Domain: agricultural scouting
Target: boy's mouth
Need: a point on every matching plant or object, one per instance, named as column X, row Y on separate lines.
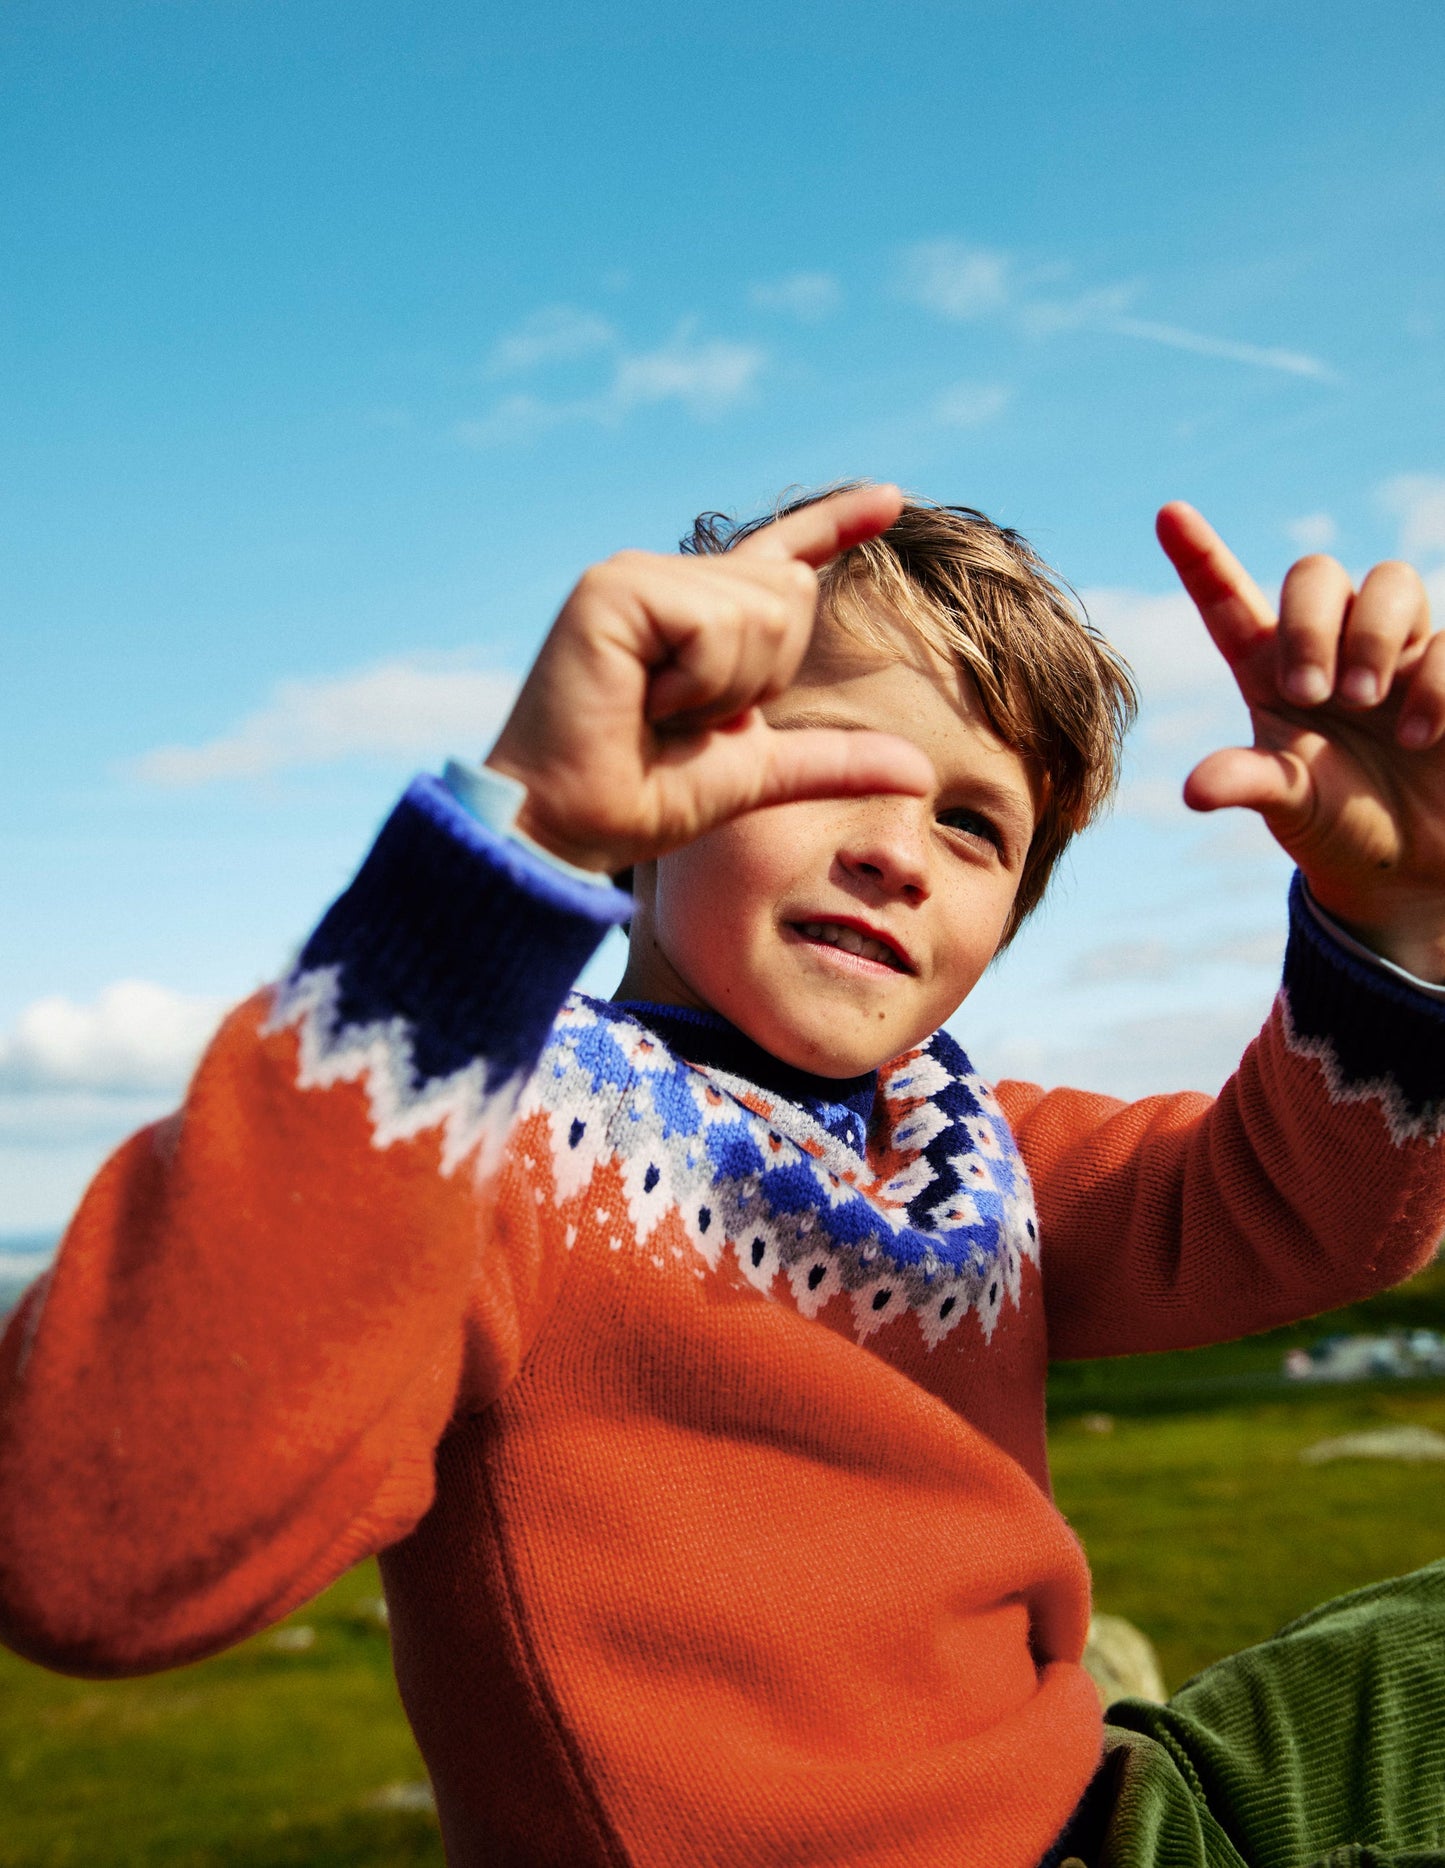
column 853, row 940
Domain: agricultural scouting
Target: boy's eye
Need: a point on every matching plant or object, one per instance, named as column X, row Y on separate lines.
column 973, row 824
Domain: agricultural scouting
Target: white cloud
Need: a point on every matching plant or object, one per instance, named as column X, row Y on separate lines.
column 706, row 377
column 1417, row 500
column 555, row 334
column 1163, row 640
column 1134, row 1056
column 969, row 405
column 1312, row 531
column 960, row 282
column 956, row 280
column 415, row 708
column 521, row 417
column 807, row 296
column 135, row 1038
column 1047, row 318
column 1189, row 703
column 1291, row 362
column 1127, row 959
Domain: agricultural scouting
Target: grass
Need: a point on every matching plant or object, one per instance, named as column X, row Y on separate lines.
column 1207, row 1531
column 263, row 1756
column 1201, row 1523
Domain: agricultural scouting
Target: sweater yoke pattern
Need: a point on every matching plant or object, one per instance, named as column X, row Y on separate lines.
column 933, row 1216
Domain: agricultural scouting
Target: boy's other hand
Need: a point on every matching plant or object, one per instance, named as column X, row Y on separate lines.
column 1346, row 693
column 639, row 727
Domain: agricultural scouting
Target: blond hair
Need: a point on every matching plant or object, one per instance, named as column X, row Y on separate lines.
column 979, row 595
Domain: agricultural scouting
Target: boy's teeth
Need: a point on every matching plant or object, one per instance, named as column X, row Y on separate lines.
column 831, row 934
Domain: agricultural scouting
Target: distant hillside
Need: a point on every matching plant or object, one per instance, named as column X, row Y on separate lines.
column 1252, row 1366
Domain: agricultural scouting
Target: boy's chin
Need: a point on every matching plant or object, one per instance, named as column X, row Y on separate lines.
column 826, row 1051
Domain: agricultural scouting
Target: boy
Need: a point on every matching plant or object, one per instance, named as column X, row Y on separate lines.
column 684, row 1357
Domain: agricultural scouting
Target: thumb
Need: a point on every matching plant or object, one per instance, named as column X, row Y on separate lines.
column 1272, row 783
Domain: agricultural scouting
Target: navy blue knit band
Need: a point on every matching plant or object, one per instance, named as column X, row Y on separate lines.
column 1370, row 1030
column 462, row 934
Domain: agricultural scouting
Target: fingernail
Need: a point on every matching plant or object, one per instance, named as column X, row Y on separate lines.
column 1360, row 686
column 1414, row 733
column 1308, row 686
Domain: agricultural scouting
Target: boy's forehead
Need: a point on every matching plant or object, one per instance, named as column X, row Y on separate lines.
column 842, row 660
column 896, row 682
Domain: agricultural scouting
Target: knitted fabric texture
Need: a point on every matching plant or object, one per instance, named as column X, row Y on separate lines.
column 695, row 1405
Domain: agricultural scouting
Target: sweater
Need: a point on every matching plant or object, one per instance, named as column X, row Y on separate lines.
column 694, row 1404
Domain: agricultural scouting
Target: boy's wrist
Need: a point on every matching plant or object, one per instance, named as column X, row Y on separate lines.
column 1410, row 943
column 499, row 799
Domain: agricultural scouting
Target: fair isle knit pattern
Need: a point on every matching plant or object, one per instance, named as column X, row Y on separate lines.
column 935, row 1220
column 694, row 1405
column 932, row 1217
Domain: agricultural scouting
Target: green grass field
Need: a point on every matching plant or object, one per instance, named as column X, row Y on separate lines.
column 1202, row 1524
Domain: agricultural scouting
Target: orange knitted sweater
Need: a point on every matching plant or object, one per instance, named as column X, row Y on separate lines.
column 695, row 1405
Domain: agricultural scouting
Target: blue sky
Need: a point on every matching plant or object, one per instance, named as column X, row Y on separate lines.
column 338, row 338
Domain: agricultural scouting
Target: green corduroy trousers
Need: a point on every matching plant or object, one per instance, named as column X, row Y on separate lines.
column 1322, row 1748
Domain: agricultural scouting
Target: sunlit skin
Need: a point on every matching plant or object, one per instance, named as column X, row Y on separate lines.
column 785, row 794
column 743, row 920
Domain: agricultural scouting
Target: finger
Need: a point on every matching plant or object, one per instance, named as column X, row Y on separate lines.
column 1422, row 716
column 819, row 533
column 1389, row 620
column 754, row 765
column 1314, row 606
column 821, row 762
column 1235, row 610
column 732, row 643
column 1274, row 784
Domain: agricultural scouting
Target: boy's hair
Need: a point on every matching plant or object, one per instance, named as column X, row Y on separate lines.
column 978, row 594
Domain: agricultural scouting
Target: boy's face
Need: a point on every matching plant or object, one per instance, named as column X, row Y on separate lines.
column 838, row 932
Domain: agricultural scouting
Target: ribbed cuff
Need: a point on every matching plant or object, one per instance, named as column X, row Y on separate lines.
column 1381, row 1033
column 462, row 933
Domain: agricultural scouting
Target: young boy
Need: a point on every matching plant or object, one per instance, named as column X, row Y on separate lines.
column 684, row 1357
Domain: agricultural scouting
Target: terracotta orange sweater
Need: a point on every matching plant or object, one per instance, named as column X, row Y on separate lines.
column 695, row 1405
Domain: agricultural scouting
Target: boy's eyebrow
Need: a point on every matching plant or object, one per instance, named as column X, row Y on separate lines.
column 819, row 716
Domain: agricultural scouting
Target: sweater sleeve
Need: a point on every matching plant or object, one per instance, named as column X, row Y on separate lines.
column 232, row 1382
column 1316, row 1177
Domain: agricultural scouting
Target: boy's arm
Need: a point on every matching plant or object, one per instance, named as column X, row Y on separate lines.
column 232, row 1382
column 267, row 1308
column 1316, row 1177
column 1318, row 1174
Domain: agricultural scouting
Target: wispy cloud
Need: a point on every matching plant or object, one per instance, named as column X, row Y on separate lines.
column 1417, row 501
column 704, row 376
column 555, row 334
column 956, row 280
column 807, row 296
column 135, row 1038
column 1175, row 337
column 1162, row 638
column 417, row 708
column 1312, row 531
column 961, row 282
column 970, row 405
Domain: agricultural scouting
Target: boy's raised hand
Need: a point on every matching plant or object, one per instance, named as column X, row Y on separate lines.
column 639, row 727
column 1346, row 692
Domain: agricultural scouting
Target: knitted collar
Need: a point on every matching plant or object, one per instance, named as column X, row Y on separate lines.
column 843, row 1105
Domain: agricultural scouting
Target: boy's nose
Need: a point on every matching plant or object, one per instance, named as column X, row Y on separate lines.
column 887, row 847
